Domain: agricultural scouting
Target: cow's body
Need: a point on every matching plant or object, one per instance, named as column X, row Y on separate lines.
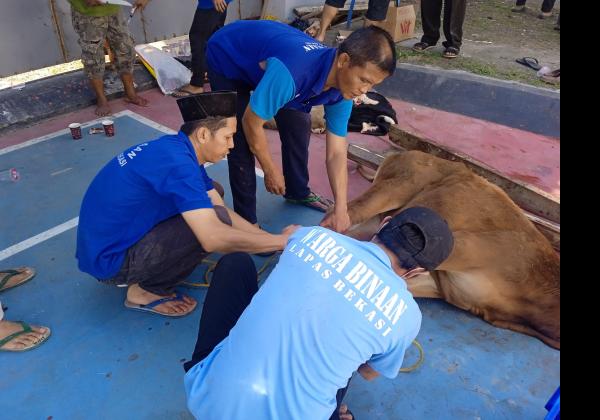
column 501, row 269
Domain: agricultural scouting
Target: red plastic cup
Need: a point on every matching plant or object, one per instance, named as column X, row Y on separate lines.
column 109, row 128
column 75, row 131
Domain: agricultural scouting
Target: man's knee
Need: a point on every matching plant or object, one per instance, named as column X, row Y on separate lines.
column 237, row 260
column 240, row 267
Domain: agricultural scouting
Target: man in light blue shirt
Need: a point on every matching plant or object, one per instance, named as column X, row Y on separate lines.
column 332, row 305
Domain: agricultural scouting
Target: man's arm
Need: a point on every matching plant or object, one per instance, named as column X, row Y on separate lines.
column 337, row 170
column 238, row 221
column 215, row 236
column 367, row 372
column 257, row 140
column 275, row 89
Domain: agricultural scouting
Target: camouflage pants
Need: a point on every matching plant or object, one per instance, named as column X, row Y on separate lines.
column 92, row 32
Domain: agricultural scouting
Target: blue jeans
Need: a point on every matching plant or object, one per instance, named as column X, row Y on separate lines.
column 294, row 132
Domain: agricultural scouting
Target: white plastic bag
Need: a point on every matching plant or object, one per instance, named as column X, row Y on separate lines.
column 168, row 72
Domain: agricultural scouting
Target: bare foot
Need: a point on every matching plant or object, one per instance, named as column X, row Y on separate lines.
column 102, row 109
column 136, row 100
column 24, row 341
column 138, row 296
column 24, row 273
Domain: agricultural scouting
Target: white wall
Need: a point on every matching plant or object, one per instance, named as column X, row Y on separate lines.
column 283, row 9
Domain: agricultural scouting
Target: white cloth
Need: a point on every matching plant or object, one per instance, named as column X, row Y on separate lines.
column 1, row 312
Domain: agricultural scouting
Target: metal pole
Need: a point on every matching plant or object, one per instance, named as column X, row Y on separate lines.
column 58, row 30
column 349, row 22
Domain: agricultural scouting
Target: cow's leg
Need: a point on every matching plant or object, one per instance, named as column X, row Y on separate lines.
column 399, row 179
column 376, row 200
column 366, row 230
column 524, row 329
column 423, row 286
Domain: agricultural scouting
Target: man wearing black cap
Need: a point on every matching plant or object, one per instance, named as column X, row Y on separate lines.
column 288, row 73
column 331, row 305
column 152, row 213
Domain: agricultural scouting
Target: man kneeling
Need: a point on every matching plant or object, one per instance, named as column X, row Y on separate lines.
column 331, row 305
column 152, row 213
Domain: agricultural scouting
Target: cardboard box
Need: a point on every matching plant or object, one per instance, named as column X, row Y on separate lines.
column 399, row 22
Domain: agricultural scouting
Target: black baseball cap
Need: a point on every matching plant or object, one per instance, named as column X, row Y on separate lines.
column 210, row 104
column 419, row 237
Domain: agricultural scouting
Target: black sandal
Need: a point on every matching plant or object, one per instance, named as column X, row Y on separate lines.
column 451, row 52
column 422, row 46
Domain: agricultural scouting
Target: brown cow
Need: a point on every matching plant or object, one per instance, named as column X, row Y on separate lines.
column 501, row 269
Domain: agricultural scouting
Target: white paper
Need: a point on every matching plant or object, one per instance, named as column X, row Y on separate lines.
column 119, row 2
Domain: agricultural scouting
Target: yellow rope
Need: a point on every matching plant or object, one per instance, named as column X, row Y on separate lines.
column 211, row 267
column 419, row 362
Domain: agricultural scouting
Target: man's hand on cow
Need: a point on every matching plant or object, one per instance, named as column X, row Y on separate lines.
column 274, row 182
column 220, row 5
column 337, row 220
column 94, row 3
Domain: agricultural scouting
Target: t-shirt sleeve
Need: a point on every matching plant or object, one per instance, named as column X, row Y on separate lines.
column 337, row 117
column 276, row 88
column 389, row 363
column 187, row 186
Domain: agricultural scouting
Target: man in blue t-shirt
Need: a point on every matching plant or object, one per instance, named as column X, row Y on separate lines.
column 152, row 213
column 288, row 73
column 332, row 305
column 209, row 17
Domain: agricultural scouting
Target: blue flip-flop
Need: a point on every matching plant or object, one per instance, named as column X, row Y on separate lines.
column 149, row 307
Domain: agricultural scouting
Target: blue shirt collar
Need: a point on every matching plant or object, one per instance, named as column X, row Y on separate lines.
column 329, row 60
column 186, row 140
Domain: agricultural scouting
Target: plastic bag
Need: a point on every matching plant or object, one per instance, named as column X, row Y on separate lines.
column 168, row 72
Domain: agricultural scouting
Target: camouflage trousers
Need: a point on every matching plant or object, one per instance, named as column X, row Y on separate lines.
column 92, row 32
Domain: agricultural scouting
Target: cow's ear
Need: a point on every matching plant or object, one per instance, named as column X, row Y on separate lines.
column 419, row 271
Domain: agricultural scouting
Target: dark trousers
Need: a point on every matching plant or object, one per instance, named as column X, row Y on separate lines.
column 206, row 22
column 454, row 17
column 547, row 5
column 294, row 132
column 233, row 285
column 164, row 257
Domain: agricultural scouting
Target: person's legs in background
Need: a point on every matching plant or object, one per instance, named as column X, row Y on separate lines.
column 377, row 11
column 454, row 18
column 330, row 10
column 122, row 44
column 547, row 7
column 92, row 34
column 431, row 11
column 206, row 22
column 519, row 6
